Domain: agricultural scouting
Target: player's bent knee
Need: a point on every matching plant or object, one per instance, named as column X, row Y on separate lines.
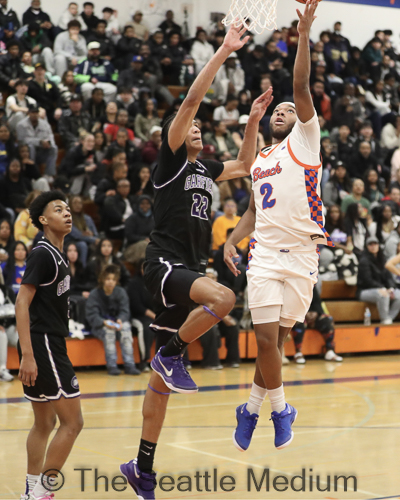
column 223, row 302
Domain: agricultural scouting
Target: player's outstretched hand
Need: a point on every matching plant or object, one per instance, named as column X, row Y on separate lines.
column 260, row 105
column 231, row 258
column 307, row 18
column 233, row 39
column 28, row 371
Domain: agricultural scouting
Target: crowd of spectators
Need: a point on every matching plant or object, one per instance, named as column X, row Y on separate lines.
column 84, row 98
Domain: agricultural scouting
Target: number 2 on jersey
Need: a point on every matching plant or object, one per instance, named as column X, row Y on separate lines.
column 266, row 190
column 199, row 207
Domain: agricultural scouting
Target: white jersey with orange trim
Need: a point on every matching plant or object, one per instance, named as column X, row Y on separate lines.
column 286, row 183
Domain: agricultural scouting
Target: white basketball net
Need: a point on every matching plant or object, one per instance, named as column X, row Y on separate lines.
column 256, row 15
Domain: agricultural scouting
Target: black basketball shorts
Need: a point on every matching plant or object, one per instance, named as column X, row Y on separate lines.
column 170, row 285
column 56, row 376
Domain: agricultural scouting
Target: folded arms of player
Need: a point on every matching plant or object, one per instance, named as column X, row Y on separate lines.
column 188, row 110
column 302, row 66
column 241, row 166
column 244, row 228
column 28, row 370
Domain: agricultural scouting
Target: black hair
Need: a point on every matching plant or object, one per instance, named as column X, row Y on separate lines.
column 97, row 89
column 39, row 205
column 231, row 97
column 12, row 43
column 9, row 269
column 101, row 21
column 108, row 9
column 74, row 23
column 78, row 264
column 110, row 269
column 329, row 222
column 88, row 3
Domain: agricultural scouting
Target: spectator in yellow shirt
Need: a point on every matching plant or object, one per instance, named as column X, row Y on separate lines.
column 225, row 222
column 24, row 230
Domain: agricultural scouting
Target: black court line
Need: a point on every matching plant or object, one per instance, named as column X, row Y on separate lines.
column 229, row 387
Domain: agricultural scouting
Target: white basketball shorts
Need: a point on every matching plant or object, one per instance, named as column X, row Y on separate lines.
column 282, row 277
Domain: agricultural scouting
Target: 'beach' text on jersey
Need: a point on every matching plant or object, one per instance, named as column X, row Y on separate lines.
column 262, row 174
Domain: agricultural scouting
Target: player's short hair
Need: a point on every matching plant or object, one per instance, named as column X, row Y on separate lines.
column 39, row 204
column 110, row 269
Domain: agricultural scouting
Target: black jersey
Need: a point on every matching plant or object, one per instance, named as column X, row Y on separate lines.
column 182, row 208
column 48, row 269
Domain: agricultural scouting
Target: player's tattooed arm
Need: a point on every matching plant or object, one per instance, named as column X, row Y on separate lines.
column 242, row 165
column 28, row 369
column 184, row 118
column 302, row 66
column 244, row 228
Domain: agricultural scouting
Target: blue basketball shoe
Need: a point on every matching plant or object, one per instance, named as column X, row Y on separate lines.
column 143, row 483
column 172, row 370
column 246, row 424
column 283, row 426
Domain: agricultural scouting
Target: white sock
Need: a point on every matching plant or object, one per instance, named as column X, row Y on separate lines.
column 39, row 490
column 256, row 399
column 31, row 480
column 277, row 399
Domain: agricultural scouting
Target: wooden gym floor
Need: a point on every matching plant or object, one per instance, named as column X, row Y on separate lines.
column 348, row 425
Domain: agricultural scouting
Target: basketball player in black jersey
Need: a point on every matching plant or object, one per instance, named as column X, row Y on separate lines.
column 49, row 381
column 189, row 303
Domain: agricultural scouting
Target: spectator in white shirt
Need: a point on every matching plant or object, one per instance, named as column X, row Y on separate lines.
column 71, row 14
column 228, row 113
column 202, row 51
column 17, row 105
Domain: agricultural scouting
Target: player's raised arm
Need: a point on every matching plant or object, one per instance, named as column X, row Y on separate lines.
column 241, row 166
column 188, row 110
column 302, row 65
column 245, row 226
column 28, row 369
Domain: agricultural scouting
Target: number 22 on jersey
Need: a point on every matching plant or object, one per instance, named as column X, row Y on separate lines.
column 199, row 207
column 266, row 190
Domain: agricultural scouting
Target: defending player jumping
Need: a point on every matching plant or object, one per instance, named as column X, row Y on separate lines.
column 177, row 255
column 286, row 213
column 49, row 381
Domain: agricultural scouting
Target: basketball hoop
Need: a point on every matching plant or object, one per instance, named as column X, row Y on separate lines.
column 256, row 15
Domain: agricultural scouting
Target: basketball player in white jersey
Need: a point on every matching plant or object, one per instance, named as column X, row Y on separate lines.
column 285, row 211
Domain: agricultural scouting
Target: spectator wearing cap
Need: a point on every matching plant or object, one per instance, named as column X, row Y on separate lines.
column 228, row 113
column 133, row 77
column 8, row 16
column 146, row 119
column 96, row 72
column 10, row 68
column 34, row 14
column 152, row 147
column 73, row 122
column 35, row 41
column 69, row 48
column 112, row 28
column 201, row 51
column 71, row 14
column 37, row 134
column 89, row 17
column 107, row 50
column 45, row 93
column 230, row 77
column 375, row 283
column 127, row 47
column 141, row 29
column 17, row 105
